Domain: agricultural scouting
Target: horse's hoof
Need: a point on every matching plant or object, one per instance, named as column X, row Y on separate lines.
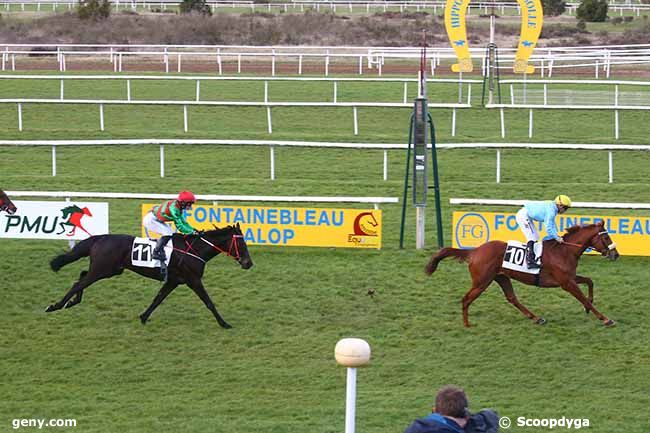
column 225, row 325
column 609, row 322
column 540, row 321
column 50, row 308
column 143, row 319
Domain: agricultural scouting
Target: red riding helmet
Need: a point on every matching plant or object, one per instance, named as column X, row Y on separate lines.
column 186, row 197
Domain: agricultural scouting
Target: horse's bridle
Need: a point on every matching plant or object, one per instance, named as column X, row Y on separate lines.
column 591, row 243
column 233, row 246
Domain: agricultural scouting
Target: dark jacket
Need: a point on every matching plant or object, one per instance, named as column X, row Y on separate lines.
column 434, row 423
column 485, row 421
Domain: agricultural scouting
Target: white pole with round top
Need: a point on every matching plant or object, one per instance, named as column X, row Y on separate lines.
column 351, row 353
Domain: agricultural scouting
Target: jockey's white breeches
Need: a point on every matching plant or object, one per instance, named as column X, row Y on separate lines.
column 526, row 225
column 151, row 224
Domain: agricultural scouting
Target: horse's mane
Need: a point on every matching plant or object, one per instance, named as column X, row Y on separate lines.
column 575, row 229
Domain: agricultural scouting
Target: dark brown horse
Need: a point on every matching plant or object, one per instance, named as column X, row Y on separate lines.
column 111, row 254
column 6, row 205
column 559, row 263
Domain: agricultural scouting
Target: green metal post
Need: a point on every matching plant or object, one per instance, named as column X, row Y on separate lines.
column 436, row 183
column 406, row 182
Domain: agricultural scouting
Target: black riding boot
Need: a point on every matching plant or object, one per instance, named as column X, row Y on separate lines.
column 530, row 255
column 159, row 254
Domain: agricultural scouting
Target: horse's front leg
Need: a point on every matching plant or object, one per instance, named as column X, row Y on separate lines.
column 196, row 285
column 164, row 291
column 571, row 287
column 590, row 284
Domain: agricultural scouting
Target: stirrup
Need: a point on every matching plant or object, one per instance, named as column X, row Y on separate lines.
column 532, row 264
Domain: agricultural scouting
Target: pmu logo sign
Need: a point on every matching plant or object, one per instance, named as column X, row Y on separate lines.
column 55, row 220
column 471, row 230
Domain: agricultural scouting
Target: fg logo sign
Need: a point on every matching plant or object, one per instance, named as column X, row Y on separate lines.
column 471, row 231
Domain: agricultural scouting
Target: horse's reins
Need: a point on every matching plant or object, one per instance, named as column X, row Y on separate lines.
column 233, row 245
column 609, row 247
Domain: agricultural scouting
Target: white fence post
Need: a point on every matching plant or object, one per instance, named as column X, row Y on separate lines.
column 335, row 91
column 128, row 90
column 101, row 117
column 268, row 120
column 530, row 123
column 405, row 92
column 61, row 90
column 385, row 164
column 355, row 121
column 498, row 165
column 198, row 90
column 185, row 118
column 20, row 116
column 162, row 160
column 53, row 161
column 611, row 167
column 273, row 64
column 453, row 122
column 503, row 124
column 616, row 124
column 272, row 162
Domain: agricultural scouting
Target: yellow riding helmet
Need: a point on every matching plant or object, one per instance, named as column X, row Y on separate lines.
column 563, row 200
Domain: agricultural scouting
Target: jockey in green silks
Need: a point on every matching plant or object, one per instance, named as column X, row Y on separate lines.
column 171, row 210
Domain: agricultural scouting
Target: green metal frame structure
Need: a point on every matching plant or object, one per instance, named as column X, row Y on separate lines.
column 436, row 181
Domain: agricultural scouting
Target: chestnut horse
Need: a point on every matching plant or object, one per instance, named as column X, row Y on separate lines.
column 6, row 204
column 559, row 263
column 111, row 254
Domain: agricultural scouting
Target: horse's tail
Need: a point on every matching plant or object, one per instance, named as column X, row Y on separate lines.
column 82, row 249
column 458, row 254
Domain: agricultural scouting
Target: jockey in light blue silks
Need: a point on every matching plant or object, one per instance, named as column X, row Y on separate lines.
column 542, row 211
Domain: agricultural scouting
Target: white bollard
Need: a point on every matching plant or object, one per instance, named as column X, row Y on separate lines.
column 351, row 353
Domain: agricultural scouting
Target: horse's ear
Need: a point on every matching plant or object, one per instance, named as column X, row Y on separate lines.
column 237, row 226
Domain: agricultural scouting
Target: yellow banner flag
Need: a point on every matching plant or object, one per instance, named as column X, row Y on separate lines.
column 532, row 18
column 457, row 33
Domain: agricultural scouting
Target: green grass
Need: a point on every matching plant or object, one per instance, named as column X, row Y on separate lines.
column 275, row 370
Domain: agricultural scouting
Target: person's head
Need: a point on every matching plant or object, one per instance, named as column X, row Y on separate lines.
column 186, row 199
column 563, row 203
column 452, row 401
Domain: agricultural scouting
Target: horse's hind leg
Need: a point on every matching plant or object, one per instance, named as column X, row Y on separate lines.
column 77, row 298
column 590, row 284
column 481, row 279
column 78, row 287
column 95, row 273
column 165, row 290
column 509, row 292
column 196, row 285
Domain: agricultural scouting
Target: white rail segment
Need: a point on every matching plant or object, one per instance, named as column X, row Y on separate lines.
column 580, row 204
column 546, row 60
column 205, row 197
column 374, row 146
